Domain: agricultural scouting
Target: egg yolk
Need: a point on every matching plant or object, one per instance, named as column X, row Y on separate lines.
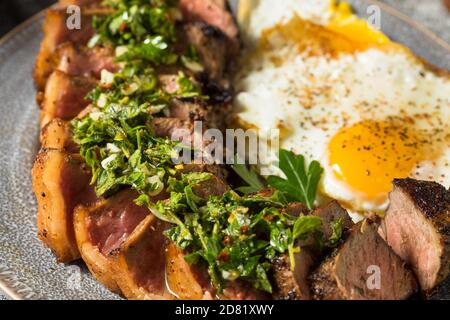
column 345, row 23
column 369, row 155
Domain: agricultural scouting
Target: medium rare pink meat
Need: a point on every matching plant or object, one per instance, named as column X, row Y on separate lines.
column 140, row 263
column 84, row 62
column 64, row 97
column 111, row 224
column 61, row 181
column 103, row 227
column 76, row 189
column 417, row 227
column 57, row 33
column 363, row 268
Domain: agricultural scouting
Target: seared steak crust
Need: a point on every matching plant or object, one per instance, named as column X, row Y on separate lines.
column 432, row 198
column 417, row 227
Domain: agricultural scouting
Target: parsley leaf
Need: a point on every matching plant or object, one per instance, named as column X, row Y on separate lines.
column 305, row 226
column 300, row 184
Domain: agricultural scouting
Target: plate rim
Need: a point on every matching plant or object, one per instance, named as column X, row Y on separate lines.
column 19, row 28
column 5, row 287
column 11, row 292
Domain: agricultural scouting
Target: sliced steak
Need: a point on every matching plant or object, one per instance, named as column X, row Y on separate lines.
column 188, row 110
column 188, row 133
column 212, row 187
column 167, row 127
column 185, row 281
column 64, row 97
column 102, row 227
column 56, row 33
column 363, row 268
column 417, row 227
column 293, row 284
column 211, row 46
column 57, row 134
column 296, row 209
column 214, row 12
column 195, row 110
column 140, row 263
column 110, row 222
column 61, row 181
column 82, row 61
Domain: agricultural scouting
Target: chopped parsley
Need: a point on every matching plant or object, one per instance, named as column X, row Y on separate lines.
column 235, row 236
column 116, row 138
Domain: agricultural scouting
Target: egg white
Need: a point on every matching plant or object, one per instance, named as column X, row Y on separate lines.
column 313, row 97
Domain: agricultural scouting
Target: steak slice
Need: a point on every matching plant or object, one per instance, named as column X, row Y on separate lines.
column 214, row 12
column 175, row 129
column 64, row 97
column 102, row 227
column 363, row 268
column 82, row 61
column 293, row 284
column 56, row 33
column 211, row 46
column 61, row 182
column 185, row 281
column 57, row 134
column 417, row 227
column 140, row 263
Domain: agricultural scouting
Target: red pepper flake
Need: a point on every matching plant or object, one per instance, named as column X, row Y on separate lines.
column 123, row 27
column 226, row 240
column 244, row 229
column 223, row 256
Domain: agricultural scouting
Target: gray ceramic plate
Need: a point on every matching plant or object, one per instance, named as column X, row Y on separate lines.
column 27, row 269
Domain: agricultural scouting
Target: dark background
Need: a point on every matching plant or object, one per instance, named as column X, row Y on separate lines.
column 13, row 12
column 431, row 13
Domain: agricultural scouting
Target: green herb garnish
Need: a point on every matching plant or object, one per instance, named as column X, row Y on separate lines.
column 233, row 236
column 300, row 183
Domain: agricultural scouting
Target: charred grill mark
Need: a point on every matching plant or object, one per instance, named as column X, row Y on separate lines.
column 431, row 197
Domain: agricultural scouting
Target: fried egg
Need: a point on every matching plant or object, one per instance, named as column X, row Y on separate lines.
column 345, row 95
